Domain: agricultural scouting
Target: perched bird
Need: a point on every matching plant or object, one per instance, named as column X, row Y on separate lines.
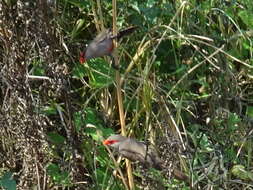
column 139, row 151
column 102, row 45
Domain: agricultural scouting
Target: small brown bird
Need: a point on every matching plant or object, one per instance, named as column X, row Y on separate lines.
column 102, row 45
column 138, row 151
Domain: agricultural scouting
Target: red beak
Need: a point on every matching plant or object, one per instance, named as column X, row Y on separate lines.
column 109, row 142
column 82, row 58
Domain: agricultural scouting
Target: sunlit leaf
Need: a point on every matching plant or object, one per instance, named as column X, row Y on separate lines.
column 240, row 172
column 7, row 182
column 247, row 17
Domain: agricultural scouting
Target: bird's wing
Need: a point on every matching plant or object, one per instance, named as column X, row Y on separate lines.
column 139, row 151
column 132, row 149
column 105, row 34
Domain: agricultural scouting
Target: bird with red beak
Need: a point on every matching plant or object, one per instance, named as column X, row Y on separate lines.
column 103, row 45
column 139, row 151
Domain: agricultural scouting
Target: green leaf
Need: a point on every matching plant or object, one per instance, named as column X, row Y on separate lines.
column 250, row 111
column 240, row 172
column 233, row 121
column 97, row 131
column 79, row 71
column 205, row 144
column 38, row 68
column 55, row 138
column 101, row 73
column 79, row 121
column 91, row 117
column 49, row 110
column 77, row 28
column 103, row 157
column 7, row 182
column 247, row 17
column 94, row 126
column 58, row 176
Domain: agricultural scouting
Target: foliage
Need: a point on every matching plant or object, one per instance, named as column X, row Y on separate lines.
column 7, row 182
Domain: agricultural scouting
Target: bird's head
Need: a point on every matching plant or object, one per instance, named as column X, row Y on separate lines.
column 114, row 141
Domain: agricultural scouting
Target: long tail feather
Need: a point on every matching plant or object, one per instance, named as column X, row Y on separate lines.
column 124, row 32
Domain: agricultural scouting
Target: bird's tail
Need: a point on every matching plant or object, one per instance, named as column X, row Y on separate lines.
column 124, row 32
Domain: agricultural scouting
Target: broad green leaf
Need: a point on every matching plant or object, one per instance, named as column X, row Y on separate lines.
column 7, row 182
column 56, row 138
column 247, row 18
column 101, row 73
column 79, row 71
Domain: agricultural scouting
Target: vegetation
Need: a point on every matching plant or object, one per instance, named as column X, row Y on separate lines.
column 186, row 83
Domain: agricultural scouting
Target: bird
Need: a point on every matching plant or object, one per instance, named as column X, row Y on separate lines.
column 103, row 45
column 135, row 150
